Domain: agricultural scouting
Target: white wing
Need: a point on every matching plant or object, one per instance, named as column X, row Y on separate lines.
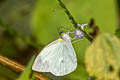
column 42, row 61
column 58, row 58
column 65, row 62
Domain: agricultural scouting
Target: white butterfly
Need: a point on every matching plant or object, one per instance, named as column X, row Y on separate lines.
column 58, row 57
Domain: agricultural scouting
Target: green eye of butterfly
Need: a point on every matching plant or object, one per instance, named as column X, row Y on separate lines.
column 61, row 34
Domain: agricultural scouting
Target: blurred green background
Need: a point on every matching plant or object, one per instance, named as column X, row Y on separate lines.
column 26, row 26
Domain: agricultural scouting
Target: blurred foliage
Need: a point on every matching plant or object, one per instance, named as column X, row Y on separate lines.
column 40, row 21
column 27, row 72
column 14, row 16
column 118, row 5
column 17, row 14
column 10, row 74
column 117, row 32
column 102, row 58
column 14, row 20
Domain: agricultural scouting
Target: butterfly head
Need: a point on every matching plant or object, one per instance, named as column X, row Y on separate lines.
column 64, row 36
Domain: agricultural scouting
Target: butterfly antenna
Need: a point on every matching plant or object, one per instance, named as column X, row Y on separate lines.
column 58, row 29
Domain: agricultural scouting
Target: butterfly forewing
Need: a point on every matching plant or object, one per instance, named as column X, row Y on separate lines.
column 43, row 60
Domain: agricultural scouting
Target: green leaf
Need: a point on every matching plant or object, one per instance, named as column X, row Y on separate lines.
column 33, row 77
column 27, row 72
column 48, row 15
column 46, row 20
column 79, row 74
column 117, row 32
column 102, row 11
column 102, row 57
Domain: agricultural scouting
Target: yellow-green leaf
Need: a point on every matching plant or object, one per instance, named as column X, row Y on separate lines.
column 102, row 58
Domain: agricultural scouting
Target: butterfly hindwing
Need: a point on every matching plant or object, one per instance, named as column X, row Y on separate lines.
column 59, row 58
column 65, row 62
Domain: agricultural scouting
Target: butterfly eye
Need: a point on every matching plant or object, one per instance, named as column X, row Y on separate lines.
column 61, row 34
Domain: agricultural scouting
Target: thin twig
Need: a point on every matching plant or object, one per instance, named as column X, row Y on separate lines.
column 18, row 67
column 73, row 20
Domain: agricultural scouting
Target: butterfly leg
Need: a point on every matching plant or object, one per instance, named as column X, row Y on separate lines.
column 76, row 40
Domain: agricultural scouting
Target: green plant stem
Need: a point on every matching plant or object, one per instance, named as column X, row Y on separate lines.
column 68, row 13
column 87, row 36
column 73, row 20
